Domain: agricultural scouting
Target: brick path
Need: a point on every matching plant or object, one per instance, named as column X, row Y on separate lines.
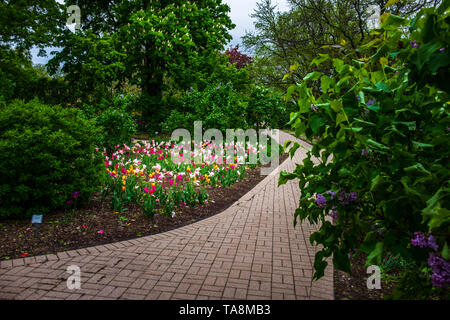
column 249, row 251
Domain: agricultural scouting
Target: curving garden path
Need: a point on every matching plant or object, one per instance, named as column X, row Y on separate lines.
column 249, row 251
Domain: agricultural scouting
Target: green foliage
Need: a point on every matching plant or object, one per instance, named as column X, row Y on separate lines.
column 266, row 109
column 222, row 107
column 309, row 28
column 115, row 120
column 383, row 128
column 218, row 106
column 46, row 154
column 150, row 44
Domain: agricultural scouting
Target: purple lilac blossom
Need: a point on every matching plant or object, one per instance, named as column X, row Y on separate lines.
column 419, row 240
column 345, row 198
column 321, row 201
column 334, row 213
column 440, row 269
column 414, row 44
column 432, row 243
column 370, row 102
column 331, row 193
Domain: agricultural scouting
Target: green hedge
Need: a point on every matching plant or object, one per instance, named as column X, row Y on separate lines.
column 46, row 154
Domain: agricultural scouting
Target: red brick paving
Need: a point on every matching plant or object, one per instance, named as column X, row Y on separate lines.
column 249, row 251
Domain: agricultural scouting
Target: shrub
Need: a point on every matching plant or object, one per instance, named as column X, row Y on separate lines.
column 218, row 106
column 383, row 131
column 265, row 109
column 46, row 154
column 115, row 119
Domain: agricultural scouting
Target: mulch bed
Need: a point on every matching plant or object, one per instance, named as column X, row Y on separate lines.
column 56, row 234
column 354, row 286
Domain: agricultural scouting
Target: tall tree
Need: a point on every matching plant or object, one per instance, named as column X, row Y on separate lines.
column 146, row 41
column 24, row 24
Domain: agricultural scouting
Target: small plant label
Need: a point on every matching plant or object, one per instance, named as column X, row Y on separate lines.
column 36, row 218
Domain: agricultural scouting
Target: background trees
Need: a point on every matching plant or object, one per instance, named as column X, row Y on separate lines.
column 149, row 44
column 311, row 27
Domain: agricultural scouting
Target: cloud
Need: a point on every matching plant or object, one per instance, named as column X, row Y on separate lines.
column 240, row 15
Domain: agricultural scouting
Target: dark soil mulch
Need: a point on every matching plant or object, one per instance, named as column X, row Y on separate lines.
column 354, row 286
column 56, row 234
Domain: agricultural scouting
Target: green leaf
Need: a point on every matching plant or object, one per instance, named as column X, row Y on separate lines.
column 290, row 90
column 421, row 145
column 287, row 143
column 336, row 105
column 294, row 117
column 445, row 253
column 377, row 144
column 382, row 86
column 318, row 61
column 340, row 118
column 293, row 149
column 338, row 64
column 376, row 254
column 418, row 167
column 341, row 261
column 405, row 181
column 313, row 76
column 316, row 122
column 392, row 22
column 376, row 182
column 285, row 177
column 325, row 84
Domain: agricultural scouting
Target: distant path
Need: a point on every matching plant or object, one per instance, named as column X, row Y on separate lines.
column 249, row 251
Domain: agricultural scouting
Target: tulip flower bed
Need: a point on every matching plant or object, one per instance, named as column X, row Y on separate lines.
column 148, row 175
column 144, row 192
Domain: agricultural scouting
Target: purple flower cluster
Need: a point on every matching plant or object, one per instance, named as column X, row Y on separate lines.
column 331, row 193
column 441, row 271
column 414, row 44
column 371, row 102
column 364, row 152
column 321, row 201
column 346, row 198
column 421, row 241
column 314, row 107
column 334, row 213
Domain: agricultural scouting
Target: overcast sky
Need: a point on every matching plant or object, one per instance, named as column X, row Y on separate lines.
column 240, row 15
